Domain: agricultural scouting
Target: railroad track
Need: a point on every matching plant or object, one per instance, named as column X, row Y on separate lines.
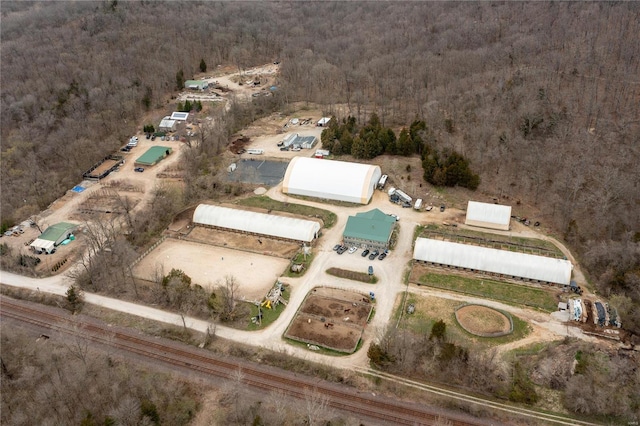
column 173, row 354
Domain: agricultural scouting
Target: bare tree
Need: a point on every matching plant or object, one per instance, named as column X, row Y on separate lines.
column 316, row 406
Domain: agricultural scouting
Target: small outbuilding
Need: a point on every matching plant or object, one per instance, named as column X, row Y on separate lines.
column 167, row 125
column 485, row 215
column 196, row 84
column 370, row 229
column 153, row 156
column 52, row 237
column 323, row 122
column 179, row 116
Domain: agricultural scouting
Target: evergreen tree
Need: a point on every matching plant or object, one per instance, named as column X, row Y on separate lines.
column 405, row 145
column 203, row 65
column 180, row 80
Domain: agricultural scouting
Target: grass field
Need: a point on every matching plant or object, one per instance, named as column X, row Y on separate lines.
column 328, row 218
column 489, row 289
column 431, row 309
column 353, row 275
column 268, row 315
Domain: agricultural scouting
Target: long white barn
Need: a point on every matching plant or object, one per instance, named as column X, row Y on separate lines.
column 332, row 180
column 256, row 223
column 487, row 215
column 503, row 262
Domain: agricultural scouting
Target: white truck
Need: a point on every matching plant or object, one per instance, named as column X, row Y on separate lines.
column 418, row 204
column 255, row 151
column 382, row 182
column 398, row 196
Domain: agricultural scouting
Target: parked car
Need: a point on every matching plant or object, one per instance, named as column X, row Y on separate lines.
column 342, row 249
column 382, row 256
column 370, row 270
column 139, row 169
column 353, row 249
column 428, row 208
column 374, row 254
column 365, row 253
column 336, row 247
column 395, row 217
column 442, row 207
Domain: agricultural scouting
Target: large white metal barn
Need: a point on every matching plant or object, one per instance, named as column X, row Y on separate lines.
column 244, row 221
column 503, row 262
column 332, row 180
column 487, row 215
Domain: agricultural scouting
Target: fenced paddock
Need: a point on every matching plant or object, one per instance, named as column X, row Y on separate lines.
column 207, row 265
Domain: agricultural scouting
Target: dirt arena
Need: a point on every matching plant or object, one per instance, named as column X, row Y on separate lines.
column 207, row 264
column 261, row 245
column 483, row 321
column 331, row 318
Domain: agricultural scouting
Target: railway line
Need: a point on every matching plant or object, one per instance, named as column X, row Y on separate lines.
column 173, row 354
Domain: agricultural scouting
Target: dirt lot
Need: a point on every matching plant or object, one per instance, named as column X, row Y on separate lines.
column 331, row 318
column 482, row 320
column 252, row 243
column 207, row 264
column 106, row 165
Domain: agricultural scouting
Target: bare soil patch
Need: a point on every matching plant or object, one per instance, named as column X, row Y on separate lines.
column 252, row 243
column 208, row 265
column 331, row 318
column 483, row 321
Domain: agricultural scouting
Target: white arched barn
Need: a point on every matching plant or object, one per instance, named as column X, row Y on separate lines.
column 331, row 180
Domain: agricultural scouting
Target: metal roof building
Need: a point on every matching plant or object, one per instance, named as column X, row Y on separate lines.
column 332, row 180
column 282, row 227
column 179, row 116
column 487, row 215
column 507, row 263
column 196, row 84
column 153, row 155
column 372, row 229
column 53, row 236
column 167, row 124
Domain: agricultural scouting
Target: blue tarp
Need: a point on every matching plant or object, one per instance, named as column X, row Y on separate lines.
column 78, row 188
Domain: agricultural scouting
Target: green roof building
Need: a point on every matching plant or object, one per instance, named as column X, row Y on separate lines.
column 196, row 84
column 370, row 229
column 153, row 156
column 52, row 237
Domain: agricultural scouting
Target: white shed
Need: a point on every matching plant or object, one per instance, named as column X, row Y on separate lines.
column 503, row 262
column 256, row 223
column 487, row 215
column 329, row 179
column 323, row 121
column 179, row 116
column 167, row 125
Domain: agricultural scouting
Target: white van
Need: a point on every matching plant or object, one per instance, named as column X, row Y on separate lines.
column 418, row 204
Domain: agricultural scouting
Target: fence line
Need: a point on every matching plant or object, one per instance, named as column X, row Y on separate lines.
column 149, row 250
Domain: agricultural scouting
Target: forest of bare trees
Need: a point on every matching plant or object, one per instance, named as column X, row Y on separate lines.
column 543, row 99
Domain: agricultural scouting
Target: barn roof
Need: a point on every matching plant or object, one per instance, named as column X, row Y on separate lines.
column 333, row 180
column 258, row 223
column 55, row 232
column 373, row 225
column 488, row 215
column 503, row 262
